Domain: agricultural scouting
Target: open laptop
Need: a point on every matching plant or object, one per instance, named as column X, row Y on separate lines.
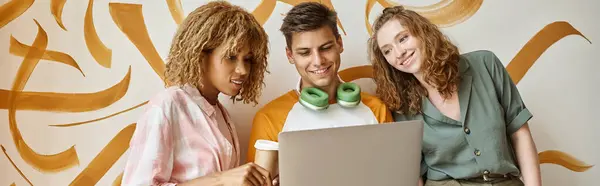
column 380, row 154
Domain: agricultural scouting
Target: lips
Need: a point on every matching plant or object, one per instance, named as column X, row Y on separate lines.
column 408, row 59
column 321, row 71
column 237, row 82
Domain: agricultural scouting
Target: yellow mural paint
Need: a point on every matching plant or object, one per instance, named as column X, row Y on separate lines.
column 176, row 10
column 13, row 9
column 19, row 49
column 563, row 159
column 117, row 181
column 44, row 163
column 101, row 53
column 130, row 20
column 445, row 13
column 107, row 157
column 536, row 46
column 66, row 102
column 56, row 8
column 15, row 166
column 263, row 11
column 99, row 119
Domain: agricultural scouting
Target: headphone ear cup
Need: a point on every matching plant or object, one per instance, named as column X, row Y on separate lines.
column 314, row 98
column 348, row 94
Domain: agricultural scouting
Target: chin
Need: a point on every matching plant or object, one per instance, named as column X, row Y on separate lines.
column 322, row 82
column 230, row 92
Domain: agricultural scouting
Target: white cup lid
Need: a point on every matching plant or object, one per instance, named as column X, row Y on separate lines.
column 266, row 145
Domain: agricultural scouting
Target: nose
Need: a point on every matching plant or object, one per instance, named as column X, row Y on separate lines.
column 318, row 58
column 241, row 68
column 399, row 51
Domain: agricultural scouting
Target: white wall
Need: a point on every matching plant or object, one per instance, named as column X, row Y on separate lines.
column 561, row 99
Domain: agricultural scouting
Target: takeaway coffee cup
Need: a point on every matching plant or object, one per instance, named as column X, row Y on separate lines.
column 267, row 155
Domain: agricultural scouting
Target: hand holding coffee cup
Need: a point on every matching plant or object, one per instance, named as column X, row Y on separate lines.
column 267, row 155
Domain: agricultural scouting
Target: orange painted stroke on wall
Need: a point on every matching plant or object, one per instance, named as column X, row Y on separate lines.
column 66, row 102
column 176, row 10
column 563, row 159
column 107, row 157
column 56, row 8
column 15, row 166
column 101, row 53
column 11, row 10
column 44, row 163
column 130, row 19
column 536, row 46
column 19, row 49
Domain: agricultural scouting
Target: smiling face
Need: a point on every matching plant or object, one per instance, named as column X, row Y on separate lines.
column 400, row 48
column 316, row 55
column 227, row 74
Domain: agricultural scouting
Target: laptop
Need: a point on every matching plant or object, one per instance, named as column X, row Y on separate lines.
column 381, row 154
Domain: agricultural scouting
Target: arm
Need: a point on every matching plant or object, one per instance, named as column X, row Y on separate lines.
column 262, row 128
column 516, row 116
column 248, row 174
column 387, row 116
column 150, row 159
column 527, row 156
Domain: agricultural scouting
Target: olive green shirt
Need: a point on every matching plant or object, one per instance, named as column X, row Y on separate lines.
column 491, row 110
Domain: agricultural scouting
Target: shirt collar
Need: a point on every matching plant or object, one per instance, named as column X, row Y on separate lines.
column 194, row 93
column 464, row 93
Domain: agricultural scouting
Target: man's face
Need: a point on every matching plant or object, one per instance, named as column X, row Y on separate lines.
column 316, row 55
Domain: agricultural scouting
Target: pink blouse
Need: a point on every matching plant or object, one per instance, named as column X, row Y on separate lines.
column 178, row 139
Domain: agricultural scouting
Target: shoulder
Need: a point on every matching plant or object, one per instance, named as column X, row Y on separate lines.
column 169, row 98
column 280, row 105
column 370, row 100
column 482, row 59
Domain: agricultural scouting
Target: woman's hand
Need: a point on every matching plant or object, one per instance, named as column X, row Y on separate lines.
column 249, row 174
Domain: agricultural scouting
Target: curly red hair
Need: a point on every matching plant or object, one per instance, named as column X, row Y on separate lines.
column 401, row 91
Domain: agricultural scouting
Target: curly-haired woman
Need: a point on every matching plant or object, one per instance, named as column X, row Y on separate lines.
column 185, row 136
column 476, row 130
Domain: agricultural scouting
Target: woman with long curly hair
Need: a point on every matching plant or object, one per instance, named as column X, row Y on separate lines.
column 476, row 129
column 185, row 136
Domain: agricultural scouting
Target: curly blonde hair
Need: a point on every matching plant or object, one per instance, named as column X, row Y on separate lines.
column 401, row 91
column 208, row 27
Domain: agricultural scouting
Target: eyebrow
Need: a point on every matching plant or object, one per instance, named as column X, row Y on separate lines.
column 395, row 37
column 327, row 43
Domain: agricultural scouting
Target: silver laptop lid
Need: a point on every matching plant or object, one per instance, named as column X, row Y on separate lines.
column 382, row 154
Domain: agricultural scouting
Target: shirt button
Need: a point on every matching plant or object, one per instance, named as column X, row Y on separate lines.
column 477, row 152
column 467, row 131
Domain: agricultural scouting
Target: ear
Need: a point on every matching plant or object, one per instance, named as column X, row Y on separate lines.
column 340, row 43
column 289, row 55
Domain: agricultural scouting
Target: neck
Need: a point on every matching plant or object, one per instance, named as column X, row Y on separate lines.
column 209, row 93
column 421, row 80
column 331, row 89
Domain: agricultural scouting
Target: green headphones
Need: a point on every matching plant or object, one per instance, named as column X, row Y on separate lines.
column 348, row 95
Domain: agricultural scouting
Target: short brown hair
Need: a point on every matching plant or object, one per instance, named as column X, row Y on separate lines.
column 308, row 16
column 208, row 27
column 400, row 91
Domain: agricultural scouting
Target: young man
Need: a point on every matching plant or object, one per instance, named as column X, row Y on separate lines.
column 314, row 46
